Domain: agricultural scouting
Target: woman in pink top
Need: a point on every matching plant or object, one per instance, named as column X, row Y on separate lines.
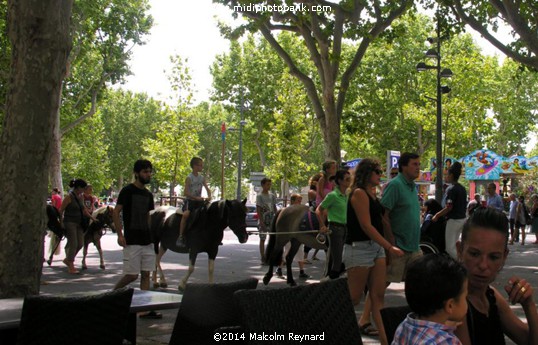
column 56, row 199
column 325, row 186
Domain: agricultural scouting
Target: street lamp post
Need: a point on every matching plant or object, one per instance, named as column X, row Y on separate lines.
column 240, row 158
column 240, row 155
column 441, row 73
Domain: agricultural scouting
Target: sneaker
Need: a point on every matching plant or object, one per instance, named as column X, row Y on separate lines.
column 180, row 242
column 304, row 275
column 325, row 279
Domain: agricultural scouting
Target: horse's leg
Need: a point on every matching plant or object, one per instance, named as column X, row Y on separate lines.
column 183, row 282
column 274, row 260
column 211, row 269
column 289, row 261
column 159, row 270
column 54, row 245
column 97, row 242
column 85, row 251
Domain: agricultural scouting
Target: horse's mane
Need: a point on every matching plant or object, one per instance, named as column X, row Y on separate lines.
column 101, row 209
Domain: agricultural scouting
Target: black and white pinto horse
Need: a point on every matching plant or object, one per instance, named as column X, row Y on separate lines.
column 292, row 224
column 96, row 230
column 205, row 230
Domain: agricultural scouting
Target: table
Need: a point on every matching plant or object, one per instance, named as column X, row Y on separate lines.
column 11, row 309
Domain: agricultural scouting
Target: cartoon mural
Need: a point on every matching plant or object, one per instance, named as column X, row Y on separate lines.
column 448, row 161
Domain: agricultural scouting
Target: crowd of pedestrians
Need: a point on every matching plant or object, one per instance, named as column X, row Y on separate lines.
column 376, row 238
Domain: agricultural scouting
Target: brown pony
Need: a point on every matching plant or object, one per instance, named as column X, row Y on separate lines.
column 96, row 230
column 292, row 223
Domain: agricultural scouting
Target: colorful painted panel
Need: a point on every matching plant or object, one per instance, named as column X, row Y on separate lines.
column 483, row 165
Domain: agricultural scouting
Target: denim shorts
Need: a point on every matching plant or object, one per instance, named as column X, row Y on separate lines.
column 362, row 254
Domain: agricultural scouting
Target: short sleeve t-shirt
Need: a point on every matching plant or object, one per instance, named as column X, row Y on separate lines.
column 401, row 199
column 457, row 195
column 267, row 202
column 56, row 201
column 196, row 184
column 336, row 205
column 136, row 205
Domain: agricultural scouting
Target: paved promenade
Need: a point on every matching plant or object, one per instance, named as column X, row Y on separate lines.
column 234, row 262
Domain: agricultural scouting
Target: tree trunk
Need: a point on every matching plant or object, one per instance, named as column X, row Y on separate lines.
column 56, row 156
column 39, row 35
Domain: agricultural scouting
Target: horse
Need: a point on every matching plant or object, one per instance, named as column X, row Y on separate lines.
column 205, row 230
column 96, row 230
column 290, row 225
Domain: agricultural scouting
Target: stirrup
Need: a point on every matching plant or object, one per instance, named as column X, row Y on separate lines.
column 321, row 238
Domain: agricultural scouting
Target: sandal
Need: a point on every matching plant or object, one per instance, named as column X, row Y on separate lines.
column 151, row 315
column 369, row 330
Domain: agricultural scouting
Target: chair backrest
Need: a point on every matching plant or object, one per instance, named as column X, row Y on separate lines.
column 323, row 312
column 206, row 307
column 392, row 317
column 89, row 320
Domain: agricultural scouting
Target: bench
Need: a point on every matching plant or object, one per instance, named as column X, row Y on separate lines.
column 11, row 309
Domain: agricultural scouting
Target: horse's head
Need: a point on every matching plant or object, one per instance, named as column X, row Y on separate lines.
column 236, row 213
column 104, row 216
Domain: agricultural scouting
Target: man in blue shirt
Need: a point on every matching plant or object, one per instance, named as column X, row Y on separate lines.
column 493, row 199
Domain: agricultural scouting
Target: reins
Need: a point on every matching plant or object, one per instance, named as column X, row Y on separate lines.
column 293, row 232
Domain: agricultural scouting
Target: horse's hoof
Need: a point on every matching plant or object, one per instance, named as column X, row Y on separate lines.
column 155, row 285
column 49, row 262
column 163, row 285
column 181, row 288
column 266, row 280
column 102, row 267
column 292, row 283
column 84, row 267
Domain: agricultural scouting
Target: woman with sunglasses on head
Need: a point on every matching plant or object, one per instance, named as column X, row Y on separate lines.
column 364, row 251
column 483, row 250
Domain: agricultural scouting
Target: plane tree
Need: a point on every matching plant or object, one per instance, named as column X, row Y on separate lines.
column 40, row 43
column 487, row 16
column 323, row 27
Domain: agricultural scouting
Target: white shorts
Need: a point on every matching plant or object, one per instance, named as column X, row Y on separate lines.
column 138, row 258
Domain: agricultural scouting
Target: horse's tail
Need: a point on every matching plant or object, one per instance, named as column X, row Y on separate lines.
column 157, row 219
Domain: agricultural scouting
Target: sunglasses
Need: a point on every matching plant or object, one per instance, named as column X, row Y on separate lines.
column 378, row 171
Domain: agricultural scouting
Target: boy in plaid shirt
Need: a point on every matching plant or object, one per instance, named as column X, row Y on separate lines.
column 436, row 291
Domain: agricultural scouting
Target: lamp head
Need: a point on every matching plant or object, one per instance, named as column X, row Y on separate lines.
column 446, row 73
column 421, row 66
column 431, row 53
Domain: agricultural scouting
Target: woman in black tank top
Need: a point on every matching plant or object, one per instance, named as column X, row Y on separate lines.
column 483, row 251
column 364, row 251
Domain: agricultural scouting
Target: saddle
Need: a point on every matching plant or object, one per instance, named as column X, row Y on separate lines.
column 198, row 217
column 309, row 222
